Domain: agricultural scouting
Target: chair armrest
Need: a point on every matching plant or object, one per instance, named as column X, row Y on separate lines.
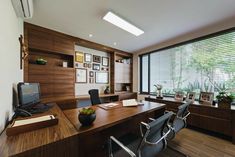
column 163, row 137
column 183, row 118
column 126, row 149
column 152, row 119
column 170, row 111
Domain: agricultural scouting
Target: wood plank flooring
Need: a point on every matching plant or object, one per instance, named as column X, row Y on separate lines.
column 197, row 144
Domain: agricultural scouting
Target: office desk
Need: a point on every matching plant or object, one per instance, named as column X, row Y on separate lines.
column 58, row 140
column 117, row 121
column 70, row 139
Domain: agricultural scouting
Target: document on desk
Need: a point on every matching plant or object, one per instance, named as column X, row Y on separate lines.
column 109, row 106
column 32, row 120
column 130, row 102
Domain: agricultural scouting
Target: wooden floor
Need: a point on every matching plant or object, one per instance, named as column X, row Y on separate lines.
column 197, row 144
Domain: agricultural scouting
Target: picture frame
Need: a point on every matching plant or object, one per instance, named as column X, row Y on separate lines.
column 102, row 77
column 76, row 65
column 91, row 80
column 91, row 73
column 105, row 61
column 179, row 96
column 81, row 75
column 88, row 57
column 190, row 96
column 96, row 67
column 96, row 59
column 85, row 65
column 206, row 98
column 79, row 56
column 89, row 65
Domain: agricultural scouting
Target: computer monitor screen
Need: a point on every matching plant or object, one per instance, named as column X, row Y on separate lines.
column 29, row 94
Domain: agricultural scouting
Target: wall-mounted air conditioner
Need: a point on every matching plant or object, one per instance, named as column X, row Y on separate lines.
column 23, row 8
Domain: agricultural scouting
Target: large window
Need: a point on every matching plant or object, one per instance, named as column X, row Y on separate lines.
column 206, row 64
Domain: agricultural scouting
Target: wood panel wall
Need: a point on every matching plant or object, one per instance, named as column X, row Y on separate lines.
column 56, row 47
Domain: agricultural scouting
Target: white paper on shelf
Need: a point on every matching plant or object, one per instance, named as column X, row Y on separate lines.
column 130, row 102
column 33, row 120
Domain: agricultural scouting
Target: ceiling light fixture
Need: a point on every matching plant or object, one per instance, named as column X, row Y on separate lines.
column 90, row 35
column 119, row 22
column 114, row 43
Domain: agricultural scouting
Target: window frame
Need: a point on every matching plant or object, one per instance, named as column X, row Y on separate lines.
column 208, row 36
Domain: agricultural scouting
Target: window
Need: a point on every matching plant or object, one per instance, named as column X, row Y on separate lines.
column 200, row 65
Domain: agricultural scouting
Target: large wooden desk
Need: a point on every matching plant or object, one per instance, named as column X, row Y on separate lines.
column 70, row 139
column 116, row 122
column 58, row 140
column 203, row 116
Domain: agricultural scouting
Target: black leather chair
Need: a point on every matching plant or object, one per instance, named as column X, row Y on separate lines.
column 94, row 96
column 151, row 142
column 179, row 122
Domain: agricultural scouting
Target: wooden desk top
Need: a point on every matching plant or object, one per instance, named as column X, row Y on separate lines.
column 195, row 103
column 107, row 118
column 12, row 145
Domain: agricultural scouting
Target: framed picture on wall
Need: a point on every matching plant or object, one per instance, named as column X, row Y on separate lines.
column 105, row 61
column 206, row 98
column 88, row 57
column 96, row 59
column 91, row 80
column 96, row 67
column 79, row 56
column 91, row 73
column 85, row 65
column 102, row 77
column 81, row 75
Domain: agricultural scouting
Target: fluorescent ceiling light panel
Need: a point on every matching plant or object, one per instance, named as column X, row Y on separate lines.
column 117, row 21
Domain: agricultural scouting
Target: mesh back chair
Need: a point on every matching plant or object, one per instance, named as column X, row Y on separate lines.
column 179, row 122
column 94, row 96
column 151, row 142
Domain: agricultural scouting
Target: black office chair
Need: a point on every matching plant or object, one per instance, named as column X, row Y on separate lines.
column 179, row 122
column 151, row 142
column 94, row 96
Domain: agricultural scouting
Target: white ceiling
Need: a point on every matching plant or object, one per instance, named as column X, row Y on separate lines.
column 160, row 19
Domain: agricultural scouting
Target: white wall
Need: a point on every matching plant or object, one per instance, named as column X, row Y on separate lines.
column 83, row 88
column 227, row 23
column 10, row 29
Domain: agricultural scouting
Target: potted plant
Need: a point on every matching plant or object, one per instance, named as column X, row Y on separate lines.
column 86, row 116
column 224, row 99
column 41, row 61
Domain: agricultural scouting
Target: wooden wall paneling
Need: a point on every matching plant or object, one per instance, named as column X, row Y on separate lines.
column 63, row 45
column 112, row 72
column 233, row 126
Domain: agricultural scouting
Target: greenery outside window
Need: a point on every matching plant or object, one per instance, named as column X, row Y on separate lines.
column 205, row 64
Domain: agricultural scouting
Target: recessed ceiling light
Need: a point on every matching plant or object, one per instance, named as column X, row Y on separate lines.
column 90, row 35
column 117, row 21
column 114, row 43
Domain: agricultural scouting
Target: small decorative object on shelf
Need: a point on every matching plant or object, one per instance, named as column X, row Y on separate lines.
column 159, row 92
column 86, row 116
column 191, row 96
column 179, row 96
column 107, row 91
column 41, row 61
column 65, row 64
column 224, row 99
column 206, row 98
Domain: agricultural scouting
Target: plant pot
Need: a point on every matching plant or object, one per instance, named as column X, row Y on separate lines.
column 224, row 103
column 41, row 62
column 85, row 119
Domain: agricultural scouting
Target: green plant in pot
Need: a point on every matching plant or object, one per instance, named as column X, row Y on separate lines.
column 41, row 61
column 86, row 116
column 224, row 99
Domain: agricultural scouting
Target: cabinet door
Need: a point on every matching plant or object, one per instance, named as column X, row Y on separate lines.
column 126, row 73
column 63, row 45
column 39, row 39
column 119, row 73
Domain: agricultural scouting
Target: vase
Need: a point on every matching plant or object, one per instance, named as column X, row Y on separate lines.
column 86, row 120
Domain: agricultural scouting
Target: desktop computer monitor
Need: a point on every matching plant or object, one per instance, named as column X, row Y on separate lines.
column 29, row 95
